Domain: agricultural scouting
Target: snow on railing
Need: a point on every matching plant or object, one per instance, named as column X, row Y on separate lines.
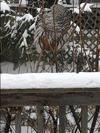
column 50, row 80
column 57, row 89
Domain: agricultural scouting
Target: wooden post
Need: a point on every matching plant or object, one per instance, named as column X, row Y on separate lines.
column 18, row 123
column 40, row 119
column 84, row 121
column 62, row 118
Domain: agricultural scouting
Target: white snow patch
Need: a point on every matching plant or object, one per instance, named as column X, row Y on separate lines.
column 24, row 43
column 4, row 7
column 50, row 80
column 27, row 17
column 62, row 3
column 76, row 10
column 33, row 26
column 27, row 107
column 70, row 118
column 23, row 2
column 33, row 116
column 87, row 7
column 77, row 28
column 18, row 18
column 8, row 24
column 25, row 34
column 38, row 9
column 84, row 7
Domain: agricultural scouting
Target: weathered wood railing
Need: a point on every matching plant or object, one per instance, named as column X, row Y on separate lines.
column 53, row 89
column 43, row 97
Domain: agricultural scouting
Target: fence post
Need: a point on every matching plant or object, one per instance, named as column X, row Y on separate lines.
column 84, row 121
column 40, row 119
column 18, row 123
column 62, row 118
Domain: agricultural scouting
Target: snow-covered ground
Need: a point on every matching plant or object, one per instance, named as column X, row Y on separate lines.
column 50, row 80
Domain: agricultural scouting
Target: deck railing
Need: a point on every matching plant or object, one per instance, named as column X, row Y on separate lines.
column 53, row 97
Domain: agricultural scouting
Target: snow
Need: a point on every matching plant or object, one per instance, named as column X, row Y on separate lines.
column 77, row 28
column 33, row 26
column 18, row 18
column 70, row 118
column 27, row 107
column 27, row 17
column 62, row 3
column 45, row 10
column 8, row 24
column 50, row 80
column 4, row 7
column 83, row 8
column 33, row 116
column 38, row 9
column 25, row 34
column 23, row 2
column 24, row 43
column 76, row 10
column 87, row 7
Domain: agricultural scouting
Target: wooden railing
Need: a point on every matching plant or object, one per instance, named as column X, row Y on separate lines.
column 45, row 97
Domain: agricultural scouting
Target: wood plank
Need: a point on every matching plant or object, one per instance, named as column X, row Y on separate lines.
column 75, row 98
column 40, row 119
column 18, row 123
column 49, row 90
column 62, row 118
column 84, row 121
